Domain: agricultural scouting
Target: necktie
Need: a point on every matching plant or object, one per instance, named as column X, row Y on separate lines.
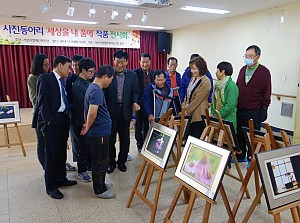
column 64, row 95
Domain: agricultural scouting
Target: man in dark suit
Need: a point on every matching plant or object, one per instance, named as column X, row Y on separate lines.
column 51, row 116
column 121, row 97
column 145, row 77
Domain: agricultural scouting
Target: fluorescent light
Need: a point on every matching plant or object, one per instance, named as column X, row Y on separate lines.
column 146, row 27
column 130, row 2
column 73, row 21
column 206, row 10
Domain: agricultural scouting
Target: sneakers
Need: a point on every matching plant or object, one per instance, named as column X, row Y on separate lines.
column 109, row 186
column 84, row 177
column 129, row 158
column 108, row 194
column 69, row 167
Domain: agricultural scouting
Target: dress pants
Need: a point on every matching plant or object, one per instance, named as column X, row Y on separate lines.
column 243, row 116
column 141, row 128
column 40, row 147
column 119, row 125
column 74, row 139
column 56, row 136
column 196, row 129
column 99, row 148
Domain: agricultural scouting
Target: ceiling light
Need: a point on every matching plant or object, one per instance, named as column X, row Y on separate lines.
column 92, row 11
column 73, row 21
column 146, row 27
column 144, row 17
column 71, row 9
column 114, row 13
column 128, row 15
column 131, row 2
column 46, row 7
column 206, row 10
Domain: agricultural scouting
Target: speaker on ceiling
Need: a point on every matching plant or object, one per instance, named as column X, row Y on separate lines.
column 164, row 42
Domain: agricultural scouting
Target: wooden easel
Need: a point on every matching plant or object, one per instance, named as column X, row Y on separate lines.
column 6, row 135
column 143, row 195
column 184, row 187
column 220, row 126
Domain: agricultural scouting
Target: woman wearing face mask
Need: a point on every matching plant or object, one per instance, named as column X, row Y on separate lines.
column 197, row 94
column 225, row 95
column 40, row 64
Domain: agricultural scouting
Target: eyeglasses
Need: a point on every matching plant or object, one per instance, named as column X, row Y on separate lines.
column 249, row 56
column 91, row 71
column 46, row 64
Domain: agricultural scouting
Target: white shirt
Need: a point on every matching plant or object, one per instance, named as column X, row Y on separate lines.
column 62, row 107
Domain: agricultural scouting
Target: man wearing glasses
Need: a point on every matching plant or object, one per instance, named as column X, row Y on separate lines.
column 86, row 74
column 121, row 97
column 254, row 83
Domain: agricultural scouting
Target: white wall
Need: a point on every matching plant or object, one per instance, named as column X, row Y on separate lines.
column 226, row 40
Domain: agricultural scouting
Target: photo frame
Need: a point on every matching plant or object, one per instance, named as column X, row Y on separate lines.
column 158, row 144
column 280, row 175
column 202, row 166
column 9, row 112
column 187, row 121
column 230, row 130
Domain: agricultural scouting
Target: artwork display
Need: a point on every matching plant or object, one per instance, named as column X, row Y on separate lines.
column 158, row 144
column 9, row 112
column 202, row 166
column 280, row 174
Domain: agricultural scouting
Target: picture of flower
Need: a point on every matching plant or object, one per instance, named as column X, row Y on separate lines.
column 158, row 143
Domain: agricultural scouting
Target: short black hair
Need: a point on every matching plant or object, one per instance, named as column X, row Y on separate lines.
column 121, row 54
column 256, row 49
column 77, row 57
column 61, row 59
column 194, row 55
column 145, row 55
column 159, row 72
column 200, row 63
column 86, row 63
column 225, row 66
column 172, row 58
column 105, row 70
column 37, row 64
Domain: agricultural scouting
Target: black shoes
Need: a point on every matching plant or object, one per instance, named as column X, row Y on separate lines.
column 55, row 194
column 122, row 167
column 111, row 168
column 67, row 183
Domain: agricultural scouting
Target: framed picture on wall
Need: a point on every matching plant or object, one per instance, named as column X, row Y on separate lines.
column 280, row 175
column 202, row 166
column 158, row 144
column 9, row 112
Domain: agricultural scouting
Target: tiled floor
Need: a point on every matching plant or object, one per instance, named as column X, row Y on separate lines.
column 23, row 197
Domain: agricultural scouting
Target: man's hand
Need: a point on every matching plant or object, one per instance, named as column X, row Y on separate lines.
column 150, row 118
column 84, row 129
column 135, row 107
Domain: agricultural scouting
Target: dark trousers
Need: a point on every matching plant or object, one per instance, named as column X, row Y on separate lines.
column 119, row 125
column 74, row 139
column 141, row 128
column 56, row 136
column 100, row 149
column 196, row 129
column 84, row 151
column 176, row 105
column 40, row 147
column 243, row 116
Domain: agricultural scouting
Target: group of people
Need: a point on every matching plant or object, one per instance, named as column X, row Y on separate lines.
column 95, row 106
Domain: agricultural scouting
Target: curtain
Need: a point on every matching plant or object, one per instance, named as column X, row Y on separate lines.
column 15, row 62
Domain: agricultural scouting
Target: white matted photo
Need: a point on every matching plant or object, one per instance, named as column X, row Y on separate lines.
column 202, row 166
column 9, row 112
column 280, row 174
column 158, row 144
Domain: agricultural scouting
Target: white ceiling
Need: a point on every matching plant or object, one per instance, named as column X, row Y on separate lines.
column 169, row 17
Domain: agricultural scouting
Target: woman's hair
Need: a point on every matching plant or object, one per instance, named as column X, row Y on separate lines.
column 227, row 67
column 200, row 64
column 37, row 64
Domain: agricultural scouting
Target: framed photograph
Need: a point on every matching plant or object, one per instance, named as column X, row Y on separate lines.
column 202, row 166
column 187, row 120
column 9, row 112
column 261, row 134
column 158, row 144
column 280, row 175
column 230, row 130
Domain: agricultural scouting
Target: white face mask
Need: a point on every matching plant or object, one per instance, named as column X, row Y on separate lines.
column 248, row 62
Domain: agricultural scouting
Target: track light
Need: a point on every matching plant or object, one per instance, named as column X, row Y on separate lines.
column 128, row 15
column 71, row 9
column 92, row 11
column 114, row 13
column 46, row 7
column 145, row 17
